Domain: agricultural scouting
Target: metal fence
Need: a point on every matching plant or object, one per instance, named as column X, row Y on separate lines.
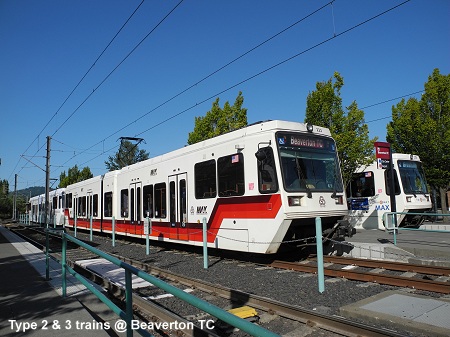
column 127, row 315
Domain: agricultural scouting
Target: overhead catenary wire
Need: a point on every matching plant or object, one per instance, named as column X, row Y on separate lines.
column 104, row 80
column 118, row 65
column 264, row 71
column 78, row 84
column 87, row 72
column 214, row 72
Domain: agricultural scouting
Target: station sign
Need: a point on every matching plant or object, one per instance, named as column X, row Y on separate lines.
column 383, row 154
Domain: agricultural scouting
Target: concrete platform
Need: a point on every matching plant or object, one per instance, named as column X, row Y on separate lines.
column 412, row 246
column 29, row 305
column 414, row 313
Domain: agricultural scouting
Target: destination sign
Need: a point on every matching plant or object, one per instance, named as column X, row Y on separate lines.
column 304, row 141
column 407, row 164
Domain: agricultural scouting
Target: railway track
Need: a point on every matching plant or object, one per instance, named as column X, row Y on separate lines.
column 156, row 310
column 421, row 277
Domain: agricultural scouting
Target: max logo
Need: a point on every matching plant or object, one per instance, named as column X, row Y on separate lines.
column 201, row 210
column 382, row 207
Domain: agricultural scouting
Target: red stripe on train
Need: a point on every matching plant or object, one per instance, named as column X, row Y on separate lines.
column 253, row 207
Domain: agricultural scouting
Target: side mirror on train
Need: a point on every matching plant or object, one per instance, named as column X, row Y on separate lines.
column 261, row 155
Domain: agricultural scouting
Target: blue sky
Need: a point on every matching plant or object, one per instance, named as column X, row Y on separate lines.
column 48, row 46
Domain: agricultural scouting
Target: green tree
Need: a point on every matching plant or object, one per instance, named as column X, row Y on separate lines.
column 74, row 175
column 218, row 121
column 4, row 187
column 127, row 154
column 351, row 133
column 422, row 127
column 6, row 205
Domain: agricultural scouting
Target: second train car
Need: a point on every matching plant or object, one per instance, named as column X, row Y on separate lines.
column 369, row 195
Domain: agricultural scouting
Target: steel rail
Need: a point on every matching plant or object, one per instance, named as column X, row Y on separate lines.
column 311, row 318
column 399, row 281
column 390, row 265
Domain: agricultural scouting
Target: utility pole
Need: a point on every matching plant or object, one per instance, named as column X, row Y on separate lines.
column 47, row 181
column 15, row 197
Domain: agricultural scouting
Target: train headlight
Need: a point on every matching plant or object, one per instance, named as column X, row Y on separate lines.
column 408, row 199
column 339, row 200
column 309, row 127
column 294, row 201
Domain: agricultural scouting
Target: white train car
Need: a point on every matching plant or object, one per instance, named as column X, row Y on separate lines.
column 91, row 200
column 368, row 193
column 56, row 208
column 256, row 187
column 37, row 207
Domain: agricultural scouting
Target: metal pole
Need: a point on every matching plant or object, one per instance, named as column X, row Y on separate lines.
column 147, row 229
column 129, row 301
column 63, row 265
column 47, row 267
column 394, row 222
column 320, row 271
column 90, row 225
column 47, row 181
column 392, row 187
column 205, row 245
column 15, row 198
column 113, row 231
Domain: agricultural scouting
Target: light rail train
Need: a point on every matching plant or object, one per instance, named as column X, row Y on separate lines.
column 36, row 207
column 368, row 193
column 256, row 187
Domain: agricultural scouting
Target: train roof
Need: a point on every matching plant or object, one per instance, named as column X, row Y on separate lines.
column 395, row 157
column 94, row 179
column 405, row 156
column 252, row 129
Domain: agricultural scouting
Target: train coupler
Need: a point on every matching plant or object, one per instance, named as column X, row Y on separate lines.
column 344, row 229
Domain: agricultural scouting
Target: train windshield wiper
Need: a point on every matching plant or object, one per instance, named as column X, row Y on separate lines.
column 301, row 176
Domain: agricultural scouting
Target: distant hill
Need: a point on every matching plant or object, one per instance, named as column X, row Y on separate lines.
column 30, row 191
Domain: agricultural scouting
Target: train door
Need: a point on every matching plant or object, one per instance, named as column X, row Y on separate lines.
column 135, row 209
column 178, row 207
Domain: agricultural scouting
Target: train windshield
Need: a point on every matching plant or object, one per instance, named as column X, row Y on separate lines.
column 309, row 163
column 412, row 176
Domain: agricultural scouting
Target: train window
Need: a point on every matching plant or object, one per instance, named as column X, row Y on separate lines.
column 95, row 205
column 160, row 200
column 412, row 176
column 362, row 185
column 82, row 206
column 205, row 179
column 230, row 172
column 124, row 203
column 107, row 209
column 55, row 202
column 267, row 177
column 148, row 201
column 387, row 179
column 69, row 200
